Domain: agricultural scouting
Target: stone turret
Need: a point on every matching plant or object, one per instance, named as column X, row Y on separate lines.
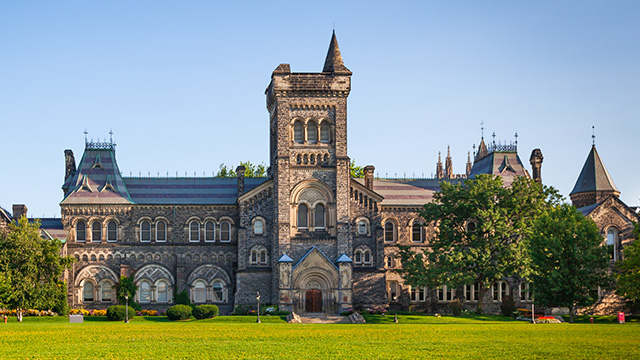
column 19, row 210
column 368, row 176
column 240, row 175
column 594, row 183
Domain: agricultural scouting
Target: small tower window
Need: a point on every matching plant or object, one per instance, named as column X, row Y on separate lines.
column 612, row 243
column 362, row 227
column 81, row 231
column 209, row 231
column 325, row 132
column 302, row 216
column 312, row 132
column 389, row 231
column 96, row 231
column 258, row 227
column 319, row 217
column 112, row 231
column 194, row 231
column 225, row 232
column 298, row 132
column 161, row 231
column 145, row 231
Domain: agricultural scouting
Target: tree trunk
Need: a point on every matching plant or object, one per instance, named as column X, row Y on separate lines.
column 481, row 292
column 571, row 310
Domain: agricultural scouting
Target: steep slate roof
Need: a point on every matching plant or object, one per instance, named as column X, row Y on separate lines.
column 506, row 164
column 334, row 63
column 400, row 192
column 594, row 176
column 97, row 179
column 5, row 215
column 188, row 191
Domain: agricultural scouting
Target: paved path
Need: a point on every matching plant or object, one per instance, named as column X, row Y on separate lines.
column 324, row 319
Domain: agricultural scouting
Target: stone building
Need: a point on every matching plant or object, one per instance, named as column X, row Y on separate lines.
column 308, row 237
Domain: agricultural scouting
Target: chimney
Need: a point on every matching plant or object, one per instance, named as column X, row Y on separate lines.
column 368, row 176
column 18, row 211
column 70, row 164
column 536, row 164
column 240, row 174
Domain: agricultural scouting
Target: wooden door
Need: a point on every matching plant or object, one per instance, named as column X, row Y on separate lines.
column 313, row 302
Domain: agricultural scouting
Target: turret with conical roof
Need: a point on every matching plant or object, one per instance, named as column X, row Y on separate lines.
column 594, row 183
column 333, row 63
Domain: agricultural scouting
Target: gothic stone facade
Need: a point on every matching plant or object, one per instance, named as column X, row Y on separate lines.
column 308, row 237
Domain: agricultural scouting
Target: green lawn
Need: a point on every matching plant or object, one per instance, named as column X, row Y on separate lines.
column 240, row 337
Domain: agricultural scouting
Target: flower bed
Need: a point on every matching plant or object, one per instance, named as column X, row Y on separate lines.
column 28, row 312
column 547, row 320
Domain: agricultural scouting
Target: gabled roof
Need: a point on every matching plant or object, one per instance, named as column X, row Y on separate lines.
column 321, row 254
column 594, row 176
column 333, row 63
column 97, row 179
column 506, row 164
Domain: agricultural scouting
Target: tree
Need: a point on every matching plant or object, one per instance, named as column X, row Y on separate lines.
column 569, row 261
column 126, row 287
column 31, row 268
column 355, row 170
column 481, row 235
column 629, row 269
column 250, row 170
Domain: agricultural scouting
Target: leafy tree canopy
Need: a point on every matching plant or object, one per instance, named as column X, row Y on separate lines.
column 126, row 287
column 569, row 261
column 355, row 170
column 481, row 233
column 629, row 269
column 250, row 170
column 30, row 268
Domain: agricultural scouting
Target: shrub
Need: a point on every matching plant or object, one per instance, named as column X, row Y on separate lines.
column 508, row 306
column 179, row 312
column 183, row 298
column 205, row 311
column 145, row 312
column 456, row 307
column 241, row 310
column 117, row 312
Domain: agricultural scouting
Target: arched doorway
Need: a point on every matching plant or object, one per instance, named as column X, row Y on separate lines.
column 313, row 301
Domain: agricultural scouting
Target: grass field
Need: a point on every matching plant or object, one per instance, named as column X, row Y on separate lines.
column 416, row 337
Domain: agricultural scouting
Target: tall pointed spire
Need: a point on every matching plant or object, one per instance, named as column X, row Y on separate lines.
column 439, row 172
column 482, row 150
column 468, row 164
column 333, row 63
column 448, row 167
column 594, row 182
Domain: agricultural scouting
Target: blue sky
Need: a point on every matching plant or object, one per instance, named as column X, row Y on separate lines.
column 181, row 83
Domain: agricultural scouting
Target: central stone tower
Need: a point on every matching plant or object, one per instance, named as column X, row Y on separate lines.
column 310, row 167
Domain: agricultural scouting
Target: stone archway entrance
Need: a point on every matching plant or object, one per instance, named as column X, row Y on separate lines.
column 313, row 301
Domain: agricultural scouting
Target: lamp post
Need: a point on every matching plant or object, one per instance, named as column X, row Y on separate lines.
column 126, row 309
column 258, row 298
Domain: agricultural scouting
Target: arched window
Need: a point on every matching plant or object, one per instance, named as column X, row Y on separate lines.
column 302, row 216
column 524, row 290
column 163, row 291
column 362, row 227
column 209, row 231
column 500, row 290
column 218, row 291
column 325, row 132
column 161, row 231
column 81, row 231
column 319, row 217
column 112, row 231
column 96, row 231
column 145, row 231
column 298, row 132
column 357, row 257
column 194, row 231
column 200, row 292
column 391, row 261
column 106, row 291
column 389, row 231
column 225, row 231
column 312, row 132
column 258, row 227
column 258, row 255
column 87, row 292
column 144, row 290
column 612, row 243
column 366, row 257
column 417, row 232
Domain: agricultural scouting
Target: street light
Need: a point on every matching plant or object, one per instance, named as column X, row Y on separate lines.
column 126, row 309
column 258, row 298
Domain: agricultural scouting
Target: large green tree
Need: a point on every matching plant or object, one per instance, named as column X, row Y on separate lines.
column 31, row 267
column 250, row 170
column 481, row 235
column 568, row 260
column 629, row 269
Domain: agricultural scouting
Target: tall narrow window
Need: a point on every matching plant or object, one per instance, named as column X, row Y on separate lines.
column 258, row 227
column 612, row 243
column 81, row 231
column 163, row 291
column 87, row 292
column 200, row 292
column 161, row 231
column 218, row 291
column 319, row 217
column 524, row 290
column 389, row 231
column 302, row 216
column 145, row 231
column 106, row 289
column 112, row 231
column 416, row 232
column 357, row 257
column 325, row 132
column 312, row 132
column 194, row 231
column 362, row 227
column 96, row 231
column 298, row 132
column 367, row 257
column 209, row 231
column 225, row 231
column 145, row 292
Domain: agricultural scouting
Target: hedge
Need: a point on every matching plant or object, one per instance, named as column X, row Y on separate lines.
column 179, row 312
column 205, row 311
column 116, row 312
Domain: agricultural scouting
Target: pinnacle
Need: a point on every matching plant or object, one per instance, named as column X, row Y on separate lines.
column 333, row 63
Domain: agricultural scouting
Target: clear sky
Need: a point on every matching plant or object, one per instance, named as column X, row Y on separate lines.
column 181, row 83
